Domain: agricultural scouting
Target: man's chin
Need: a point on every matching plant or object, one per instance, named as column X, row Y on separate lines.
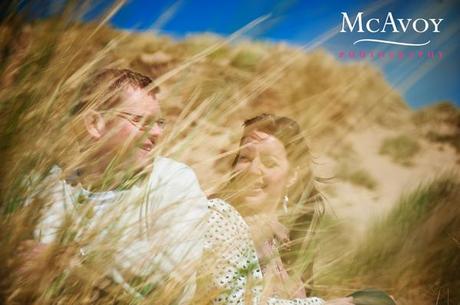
column 143, row 158
column 142, row 166
column 137, row 166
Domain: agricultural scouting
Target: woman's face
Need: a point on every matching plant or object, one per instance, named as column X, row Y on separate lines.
column 262, row 172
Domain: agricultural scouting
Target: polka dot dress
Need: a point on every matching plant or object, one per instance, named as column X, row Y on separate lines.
column 236, row 271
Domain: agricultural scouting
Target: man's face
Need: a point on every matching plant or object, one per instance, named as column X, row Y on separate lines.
column 132, row 128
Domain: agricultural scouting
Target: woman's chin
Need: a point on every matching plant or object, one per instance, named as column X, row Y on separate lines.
column 255, row 199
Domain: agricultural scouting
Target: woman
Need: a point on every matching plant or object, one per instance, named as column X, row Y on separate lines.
column 272, row 183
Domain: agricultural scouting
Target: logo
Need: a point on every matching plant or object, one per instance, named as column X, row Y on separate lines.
column 390, row 25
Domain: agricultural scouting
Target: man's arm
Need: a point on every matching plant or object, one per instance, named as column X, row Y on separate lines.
column 177, row 212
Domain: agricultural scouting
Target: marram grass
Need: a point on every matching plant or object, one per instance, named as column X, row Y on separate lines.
column 210, row 85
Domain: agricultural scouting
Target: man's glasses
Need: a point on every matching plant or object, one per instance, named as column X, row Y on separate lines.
column 141, row 122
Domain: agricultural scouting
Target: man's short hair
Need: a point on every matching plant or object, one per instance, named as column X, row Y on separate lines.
column 102, row 89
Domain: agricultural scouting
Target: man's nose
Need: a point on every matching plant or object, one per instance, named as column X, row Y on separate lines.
column 155, row 132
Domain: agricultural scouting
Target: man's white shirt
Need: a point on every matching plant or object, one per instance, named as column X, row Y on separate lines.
column 155, row 230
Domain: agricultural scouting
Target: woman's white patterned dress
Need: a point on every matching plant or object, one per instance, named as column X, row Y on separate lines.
column 236, row 272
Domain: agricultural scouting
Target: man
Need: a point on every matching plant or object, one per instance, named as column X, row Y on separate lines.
column 140, row 226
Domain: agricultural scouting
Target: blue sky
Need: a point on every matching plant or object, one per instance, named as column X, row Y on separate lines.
column 298, row 22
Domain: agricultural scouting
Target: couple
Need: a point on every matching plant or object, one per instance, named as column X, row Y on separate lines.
column 153, row 222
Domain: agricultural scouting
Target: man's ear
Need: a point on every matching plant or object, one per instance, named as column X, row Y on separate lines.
column 95, row 124
column 293, row 177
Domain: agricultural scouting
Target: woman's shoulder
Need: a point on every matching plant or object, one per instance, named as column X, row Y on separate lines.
column 222, row 207
column 225, row 210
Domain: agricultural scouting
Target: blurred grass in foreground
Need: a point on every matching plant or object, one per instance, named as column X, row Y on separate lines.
column 413, row 252
column 44, row 63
